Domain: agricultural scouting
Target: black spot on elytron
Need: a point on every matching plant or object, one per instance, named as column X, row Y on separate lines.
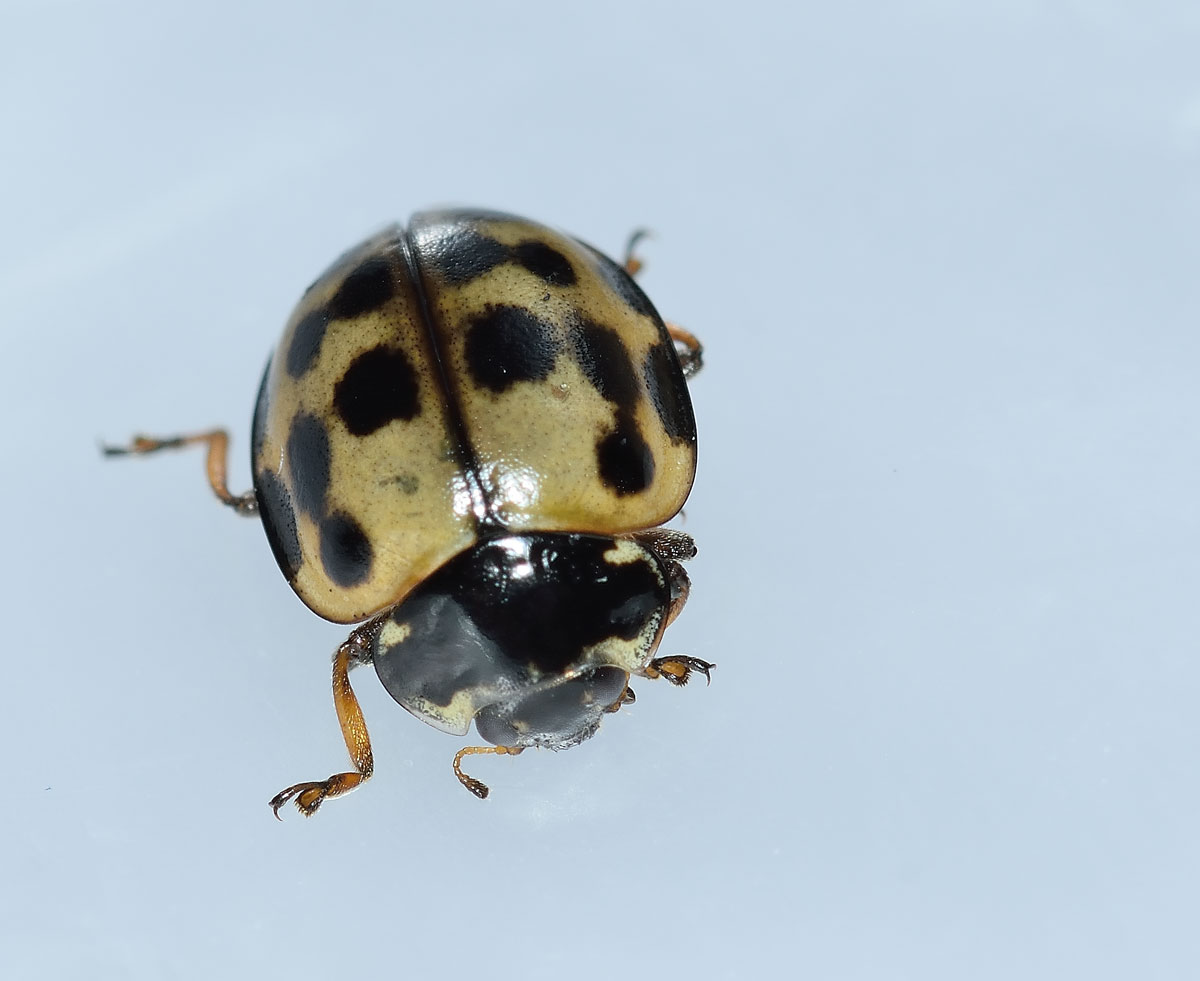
column 668, row 392
column 623, row 285
column 366, row 288
column 306, row 342
column 626, row 463
column 346, row 551
column 463, row 253
column 507, row 344
column 378, row 387
column 279, row 522
column 546, row 263
column 605, row 361
column 308, row 463
column 511, row 605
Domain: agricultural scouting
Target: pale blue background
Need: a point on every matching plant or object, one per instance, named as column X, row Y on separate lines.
column 944, row 259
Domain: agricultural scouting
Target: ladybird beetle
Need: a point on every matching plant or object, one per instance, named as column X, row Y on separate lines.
column 469, row 437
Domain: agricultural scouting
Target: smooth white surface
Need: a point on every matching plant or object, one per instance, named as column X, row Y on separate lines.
column 944, row 261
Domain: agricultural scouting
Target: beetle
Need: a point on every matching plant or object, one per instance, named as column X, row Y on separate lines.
column 467, row 441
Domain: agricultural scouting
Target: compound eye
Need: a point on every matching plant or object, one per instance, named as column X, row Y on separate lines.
column 557, row 717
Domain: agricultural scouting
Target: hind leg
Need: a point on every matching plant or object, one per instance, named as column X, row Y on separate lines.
column 217, row 441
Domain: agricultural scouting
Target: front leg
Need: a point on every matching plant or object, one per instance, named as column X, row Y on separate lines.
column 310, row 795
column 478, row 787
column 678, row 668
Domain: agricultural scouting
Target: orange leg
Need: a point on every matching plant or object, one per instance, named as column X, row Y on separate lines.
column 633, row 265
column 218, row 452
column 309, row 796
column 627, row 698
column 687, row 346
column 478, row 787
column 678, row 668
column 682, row 588
column 689, row 349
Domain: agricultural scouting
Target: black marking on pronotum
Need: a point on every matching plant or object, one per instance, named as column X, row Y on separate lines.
column 476, row 619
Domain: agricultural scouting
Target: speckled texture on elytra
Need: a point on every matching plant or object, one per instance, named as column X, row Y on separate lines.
column 472, row 374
